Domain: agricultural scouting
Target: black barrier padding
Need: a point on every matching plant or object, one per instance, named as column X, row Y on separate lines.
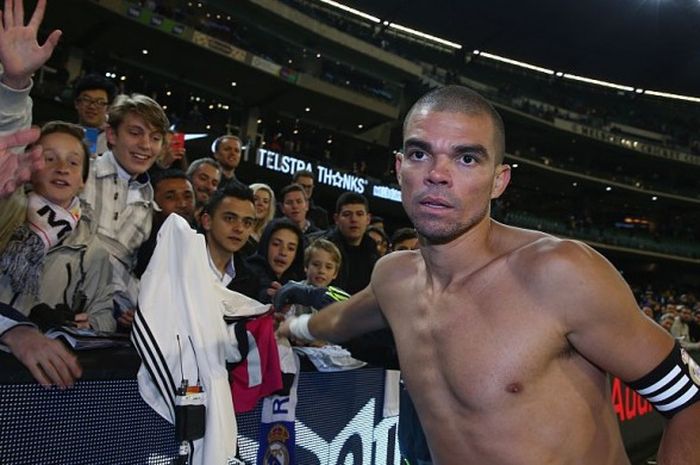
column 96, row 422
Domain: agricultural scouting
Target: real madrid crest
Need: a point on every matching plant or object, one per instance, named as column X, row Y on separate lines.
column 276, row 452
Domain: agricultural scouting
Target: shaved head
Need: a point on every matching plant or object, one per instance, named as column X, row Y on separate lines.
column 459, row 99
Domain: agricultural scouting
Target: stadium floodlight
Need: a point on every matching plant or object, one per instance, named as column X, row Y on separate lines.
column 398, row 27
column 598, row 82
column 520, row 64
column 687, row 98
column 353, row 11
column 423, row 35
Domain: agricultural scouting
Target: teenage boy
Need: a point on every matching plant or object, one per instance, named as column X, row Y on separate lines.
column 227, row 221
column 118, row 187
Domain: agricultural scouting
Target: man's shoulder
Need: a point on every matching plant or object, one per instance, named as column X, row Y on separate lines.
column 564, row 273
column 547, row 257
column 397, row 266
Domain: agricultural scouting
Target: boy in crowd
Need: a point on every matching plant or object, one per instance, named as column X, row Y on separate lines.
column 295, row 206
column 358, row 250
column 322, row 261
column 93, row 95
column 321, row 264
column 227, row 221
column 316, row 214
column 53, row 268
column 119, row 189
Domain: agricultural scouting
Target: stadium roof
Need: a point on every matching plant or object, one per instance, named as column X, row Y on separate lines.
column 650, row 44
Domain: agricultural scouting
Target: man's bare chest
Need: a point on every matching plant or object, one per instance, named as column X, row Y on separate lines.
column 475, row 345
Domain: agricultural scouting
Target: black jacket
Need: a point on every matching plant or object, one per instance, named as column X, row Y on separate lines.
column 260, row 268
column 246, row 282
column 358, row 261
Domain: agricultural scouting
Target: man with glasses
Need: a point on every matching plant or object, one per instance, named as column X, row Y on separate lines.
column 93, row 95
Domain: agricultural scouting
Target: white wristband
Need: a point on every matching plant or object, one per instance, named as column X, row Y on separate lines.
column 299, row 327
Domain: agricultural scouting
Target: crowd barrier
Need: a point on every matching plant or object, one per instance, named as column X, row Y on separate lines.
column 102, row 419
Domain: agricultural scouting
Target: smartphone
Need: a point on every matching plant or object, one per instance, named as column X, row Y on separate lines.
column 91, row 135
column 177, row 141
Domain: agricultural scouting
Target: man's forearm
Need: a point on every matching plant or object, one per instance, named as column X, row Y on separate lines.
column 679, row 445
column 345, row 320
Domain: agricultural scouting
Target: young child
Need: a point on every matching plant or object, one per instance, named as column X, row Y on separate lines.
column 54, row 269
column 322, row 261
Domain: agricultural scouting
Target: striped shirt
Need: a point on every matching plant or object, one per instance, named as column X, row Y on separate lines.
column 123, row 218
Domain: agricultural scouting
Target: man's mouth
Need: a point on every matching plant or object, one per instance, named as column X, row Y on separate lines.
column 434, row 202
column 140, row 156
column 60, row 183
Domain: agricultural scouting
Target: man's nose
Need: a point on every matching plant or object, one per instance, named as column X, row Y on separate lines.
column 440, row 171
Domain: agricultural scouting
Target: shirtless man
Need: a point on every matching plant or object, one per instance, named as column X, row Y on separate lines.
column 504, row 335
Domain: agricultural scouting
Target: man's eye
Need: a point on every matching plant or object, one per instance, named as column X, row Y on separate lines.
column 468, row 159
column 417, row 155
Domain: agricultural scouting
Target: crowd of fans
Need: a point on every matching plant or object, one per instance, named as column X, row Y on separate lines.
column 78, row 237
column 676, row 311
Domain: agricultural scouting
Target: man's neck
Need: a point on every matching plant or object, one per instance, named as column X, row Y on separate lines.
column 229, row 174
column 353, row 242
column 123, row 173
column 461, row 256
column 219, row 257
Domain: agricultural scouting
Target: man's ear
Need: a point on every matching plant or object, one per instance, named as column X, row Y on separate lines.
column 335, row 218
column 397, row 166
column 501, row 180
column 111, row 135
column 205, row 220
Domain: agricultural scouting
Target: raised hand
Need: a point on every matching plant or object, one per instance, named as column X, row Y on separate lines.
column 20, row 53
column 17, row 168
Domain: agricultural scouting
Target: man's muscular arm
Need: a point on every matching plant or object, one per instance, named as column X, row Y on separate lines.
column 344, row 320
column 605, row 325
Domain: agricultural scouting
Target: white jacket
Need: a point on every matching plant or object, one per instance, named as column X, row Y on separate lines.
column 180, row 296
